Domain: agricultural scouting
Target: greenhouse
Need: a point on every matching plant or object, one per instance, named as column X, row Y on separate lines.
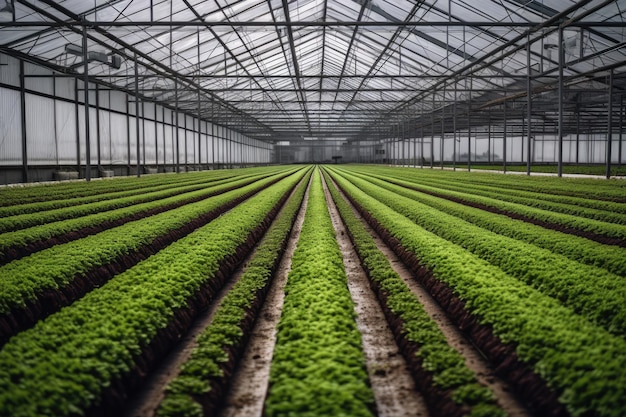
column 312, row 208
column 189, row 85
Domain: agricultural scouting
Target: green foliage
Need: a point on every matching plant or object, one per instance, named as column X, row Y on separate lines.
column 61, row 366
column 225, row 332
column 438, row 357
column 590, row 291
column 79, row 217
column 318, row 368
column 581, row 361
column 27, row 278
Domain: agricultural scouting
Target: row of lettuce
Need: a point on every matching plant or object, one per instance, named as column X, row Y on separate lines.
column 89, row 354
column 557, row 313
column 73, row 191
column 22, row 234
column 605, row 219
column 454, row 389
column 203, row 378
column 58, row 269
column 591, row 291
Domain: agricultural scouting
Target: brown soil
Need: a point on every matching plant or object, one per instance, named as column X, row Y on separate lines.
column 474, row 359
column 115, row 397
column 529, row 386
column 607, row 240
column 393, row 386
column 51, row 301
column 18, row 252
column 251, row 379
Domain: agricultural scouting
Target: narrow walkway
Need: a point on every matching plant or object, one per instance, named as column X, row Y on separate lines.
column 473, row 358
column 392, row 384
column 251, row 379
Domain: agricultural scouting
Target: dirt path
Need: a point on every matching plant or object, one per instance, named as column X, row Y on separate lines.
column 145, row 402
column 249, row 384
column 473, row 358
column 393, row 385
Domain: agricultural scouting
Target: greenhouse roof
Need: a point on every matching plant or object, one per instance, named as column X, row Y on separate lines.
column 297, row 69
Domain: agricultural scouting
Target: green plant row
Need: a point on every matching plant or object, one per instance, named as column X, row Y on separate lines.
column 225, row 334
column 61, row 202
column 606, row 211
column 63, row 365
column 187, row 191
column 582, row 362
column 443, row 362
column 318, row 367
column 609, row 257
column 25, row 237
column 583, row 224
column 54, row 268
column 593, row 188
column 581, row 187
column 31, row 193
column 583, row 192
column 591, row 292
column 553, row 169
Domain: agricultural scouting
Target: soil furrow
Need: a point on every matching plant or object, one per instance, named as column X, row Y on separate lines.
column 503, row 358
column 18, row 252
column 116, row 396
column 474, row 358
column 606, row 240
column 393, row 386
column 251, row 379
column 20, row 319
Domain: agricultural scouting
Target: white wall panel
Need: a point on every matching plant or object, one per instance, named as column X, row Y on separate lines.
column 118, row 138
column 169, row 144
column 93, row 141
column 10, row 73
column 41, row 140
column 118, row 101
column 105, row 137
column 132, row 123
column 39, row 84
column 64, row 87
column 10, row 126
column 66, row 132
column 150, row 135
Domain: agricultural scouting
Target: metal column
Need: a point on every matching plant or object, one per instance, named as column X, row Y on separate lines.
column 560, row 100
column 609, row 133
column 86, row 93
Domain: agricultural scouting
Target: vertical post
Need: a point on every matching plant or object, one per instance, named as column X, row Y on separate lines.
column 156, row 139
column 577, row 134
column 560, row 104
column 469, row 127
column 528, row 105
column 504, row 127
column 432, row 133
column 98, row 128
column 454, row 116
column 128, row 167
column 23, row 122
column 489, row 141
column 443, row 123
column 137, row 114
column 621, row 129
column 199, row 133
column 177, row 134
column 609, row 133
column 422, row 137
column 86, row 93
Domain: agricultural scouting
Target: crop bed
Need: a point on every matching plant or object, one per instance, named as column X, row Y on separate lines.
column 103, row 284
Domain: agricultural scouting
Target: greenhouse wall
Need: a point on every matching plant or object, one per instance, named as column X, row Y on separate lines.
column 43, row 131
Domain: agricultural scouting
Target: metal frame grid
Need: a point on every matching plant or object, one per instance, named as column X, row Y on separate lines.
column 355, row 70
